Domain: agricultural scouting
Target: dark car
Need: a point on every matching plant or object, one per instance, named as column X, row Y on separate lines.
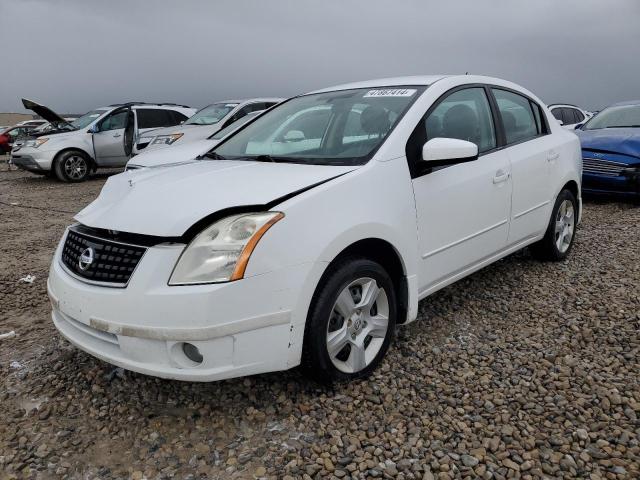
column 9, row 135
column 611, row 151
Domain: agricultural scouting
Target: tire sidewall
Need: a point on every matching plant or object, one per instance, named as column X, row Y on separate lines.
column 60, row 170
column 318, row 319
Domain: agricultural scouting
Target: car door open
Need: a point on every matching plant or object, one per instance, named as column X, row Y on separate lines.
column 113, row 138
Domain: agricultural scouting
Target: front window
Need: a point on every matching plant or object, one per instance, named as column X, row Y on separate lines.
column 211, row 114
column 622, row 116
column 86, row 119
column 343, row 127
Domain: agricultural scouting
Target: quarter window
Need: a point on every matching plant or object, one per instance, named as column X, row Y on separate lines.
column 517, row 116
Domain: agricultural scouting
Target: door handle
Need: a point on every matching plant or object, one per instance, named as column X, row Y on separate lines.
column 116, row 135
column 501, row 176
column 552, row 155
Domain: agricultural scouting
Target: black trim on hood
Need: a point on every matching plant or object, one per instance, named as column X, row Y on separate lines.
column 197, row 227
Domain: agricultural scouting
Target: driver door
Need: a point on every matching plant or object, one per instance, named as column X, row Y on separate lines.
column 462, row 209
column 111, row 142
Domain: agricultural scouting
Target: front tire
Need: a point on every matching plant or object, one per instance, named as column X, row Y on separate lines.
column 72, row 166
column 558, row 239
column 351, row 321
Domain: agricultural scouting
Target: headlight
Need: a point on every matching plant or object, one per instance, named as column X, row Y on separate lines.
column 35, row 143
column 167, row 139
column 220, row 253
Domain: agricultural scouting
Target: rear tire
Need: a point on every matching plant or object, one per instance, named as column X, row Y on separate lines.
column 72, row 166
column 561, row 231
column 351, row 321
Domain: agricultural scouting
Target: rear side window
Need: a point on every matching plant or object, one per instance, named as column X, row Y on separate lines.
column 155, row 118
column 517, row 116
column 577, row 115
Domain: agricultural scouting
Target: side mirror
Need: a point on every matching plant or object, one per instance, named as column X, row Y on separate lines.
column 93, row 129
column 294, row 136
column 439, row 152
column 578, row 126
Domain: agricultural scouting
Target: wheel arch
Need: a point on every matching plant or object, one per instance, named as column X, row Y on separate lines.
column 573, row 187
column 384, row 253
column 88, row 156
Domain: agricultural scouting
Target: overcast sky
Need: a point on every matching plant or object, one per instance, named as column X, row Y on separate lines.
column 73, row 55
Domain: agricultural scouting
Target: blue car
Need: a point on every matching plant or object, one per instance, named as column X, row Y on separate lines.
column 611, row 151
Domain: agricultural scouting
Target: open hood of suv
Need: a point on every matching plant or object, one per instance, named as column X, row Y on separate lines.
column 45, row 112
column 165, row 202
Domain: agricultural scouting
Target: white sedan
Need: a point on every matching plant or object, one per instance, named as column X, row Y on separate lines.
column 310, row 234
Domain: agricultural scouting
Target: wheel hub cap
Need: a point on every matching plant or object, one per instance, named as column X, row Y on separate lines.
column 358, row 325
column 564, row 227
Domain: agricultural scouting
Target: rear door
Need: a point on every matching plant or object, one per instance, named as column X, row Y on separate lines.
column 109, row 139
column 532, row 152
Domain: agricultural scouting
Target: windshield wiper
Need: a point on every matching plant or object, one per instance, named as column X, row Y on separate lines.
column 213, row 156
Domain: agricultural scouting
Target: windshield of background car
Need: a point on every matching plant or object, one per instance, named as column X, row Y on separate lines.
column 86, row 119
column 338, row 128
column 622, row 116
column 234, row 126
column 211, row 114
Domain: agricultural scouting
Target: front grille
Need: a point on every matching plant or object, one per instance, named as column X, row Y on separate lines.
column 602, row 167
column 104, row 261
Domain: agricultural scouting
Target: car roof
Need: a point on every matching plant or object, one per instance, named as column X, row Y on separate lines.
column 385, row 82
column 628, row 102
column 249, row 100
column 552, row 105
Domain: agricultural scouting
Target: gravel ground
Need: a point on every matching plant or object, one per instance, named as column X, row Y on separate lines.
column 524, row 370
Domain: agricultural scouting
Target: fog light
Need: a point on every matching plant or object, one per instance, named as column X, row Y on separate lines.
column 192, row 352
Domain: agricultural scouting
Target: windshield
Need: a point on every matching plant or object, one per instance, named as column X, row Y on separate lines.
column 86, row 119
column 211, row 114
column 339, row 128
column 622, row 116
column 232, row 127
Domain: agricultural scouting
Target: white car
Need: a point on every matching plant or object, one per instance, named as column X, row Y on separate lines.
column 257, row 262
column 569, row 116
column 101, row 138
column 187, row 152
column 204, row 123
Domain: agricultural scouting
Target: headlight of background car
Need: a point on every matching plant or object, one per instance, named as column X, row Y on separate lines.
column 35, row 143
column 220, row 253
column 167, row 139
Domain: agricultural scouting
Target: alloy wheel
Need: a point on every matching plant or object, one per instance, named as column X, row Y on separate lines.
column 565, row 224
column 75, row 167
column 358, row 325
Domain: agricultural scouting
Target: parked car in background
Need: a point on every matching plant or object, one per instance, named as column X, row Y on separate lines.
column 187, row 152
column 31, row 123
column 204, row 123
column 569, row 116
column 103, row 137
column 10, row 135
column 611, row 151
column 253, row 261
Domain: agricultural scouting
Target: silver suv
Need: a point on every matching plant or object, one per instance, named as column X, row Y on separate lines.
column 101, row 138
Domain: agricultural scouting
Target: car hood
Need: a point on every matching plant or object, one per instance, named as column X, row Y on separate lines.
column 173, row 155
column 44, row 112
column 625, row 141
column 165, row 202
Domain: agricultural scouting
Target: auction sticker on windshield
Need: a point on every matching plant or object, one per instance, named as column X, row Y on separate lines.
column 393, row 92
